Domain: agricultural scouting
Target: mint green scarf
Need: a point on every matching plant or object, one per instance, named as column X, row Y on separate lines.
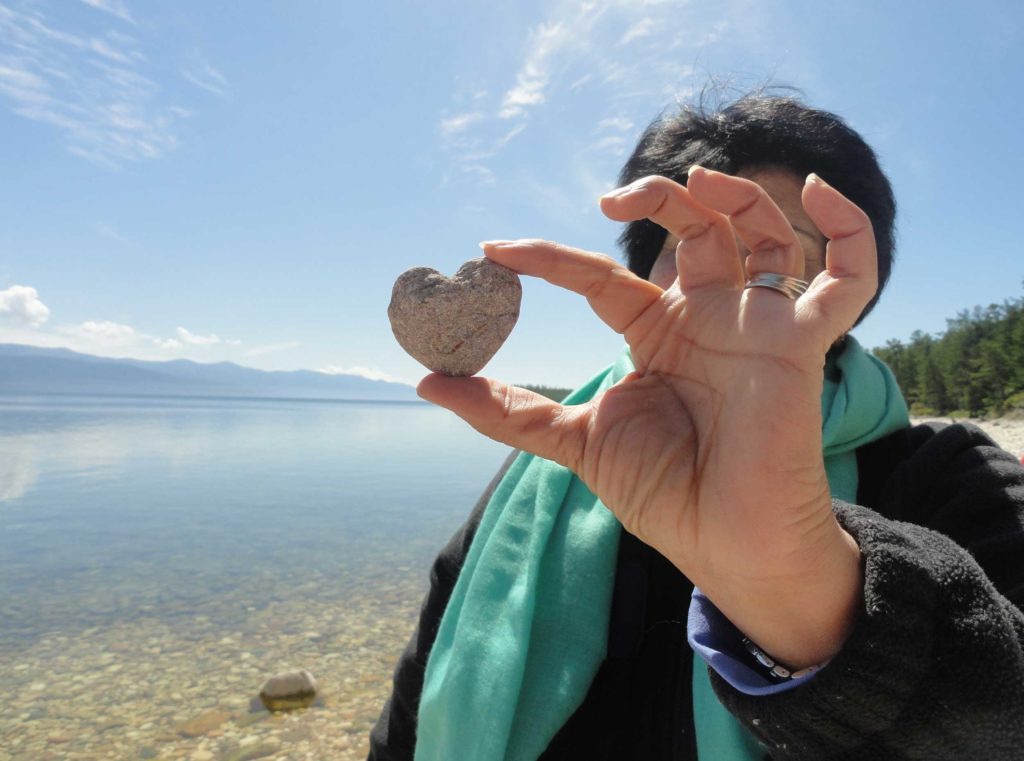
column 526, row 627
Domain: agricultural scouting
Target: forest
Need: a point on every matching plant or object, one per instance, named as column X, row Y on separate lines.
column 973, row 369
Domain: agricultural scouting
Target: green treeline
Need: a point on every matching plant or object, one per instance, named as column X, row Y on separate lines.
column 551, row 392
column 975, row 368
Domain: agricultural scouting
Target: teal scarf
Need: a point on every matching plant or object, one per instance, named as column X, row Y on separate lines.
column 526, row 627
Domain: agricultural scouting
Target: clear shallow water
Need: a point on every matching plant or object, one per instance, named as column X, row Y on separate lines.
column 160, row 505
column 159, row 558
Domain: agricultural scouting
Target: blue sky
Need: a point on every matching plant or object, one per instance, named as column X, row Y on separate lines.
column 244, row 182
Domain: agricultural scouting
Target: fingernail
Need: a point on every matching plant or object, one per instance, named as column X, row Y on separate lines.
column 496, row 243
column 618, row 192
column 694, row 168
column 812, row 177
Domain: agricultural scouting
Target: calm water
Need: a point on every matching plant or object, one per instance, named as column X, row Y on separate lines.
column 160, row 558
column 113, row 509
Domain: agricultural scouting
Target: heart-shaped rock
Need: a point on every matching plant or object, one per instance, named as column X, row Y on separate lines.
column 455, row 325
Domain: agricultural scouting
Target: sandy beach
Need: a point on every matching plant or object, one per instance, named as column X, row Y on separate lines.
column 1007, row 432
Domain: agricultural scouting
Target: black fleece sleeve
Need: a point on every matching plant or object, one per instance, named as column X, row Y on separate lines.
column 934, row 667
column 393, row 737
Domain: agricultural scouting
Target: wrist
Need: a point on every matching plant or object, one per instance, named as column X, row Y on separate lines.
column 802, row 619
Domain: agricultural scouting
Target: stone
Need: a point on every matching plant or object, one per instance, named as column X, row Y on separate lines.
column 203, row 723
column 455, row 325
column 249, row 752
column 288, row 690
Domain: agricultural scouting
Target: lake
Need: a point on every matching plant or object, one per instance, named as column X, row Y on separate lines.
column 160, row 557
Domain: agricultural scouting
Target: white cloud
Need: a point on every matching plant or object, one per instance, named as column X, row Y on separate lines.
column 21, row 304
column 21, row 322
column 103, row 332
column 642, row 28
column 546, row 41
column 113, row 7
column 89, row 88
column 191, row 339
column 615, row 124
column 577, row 84
column 459, row 122
column 580, row 58
column 483, row 175
column 363, row 372
column 588, row 77
column 259, row 351
column 202, row 74
column 612, row 144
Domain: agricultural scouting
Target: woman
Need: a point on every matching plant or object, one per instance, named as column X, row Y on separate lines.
column 856, row 583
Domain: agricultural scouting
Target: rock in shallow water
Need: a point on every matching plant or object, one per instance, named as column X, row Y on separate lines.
column 290, row 689
column 455, row 325
column 204, row 723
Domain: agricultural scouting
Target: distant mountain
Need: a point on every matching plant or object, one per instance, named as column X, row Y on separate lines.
column 36, row 370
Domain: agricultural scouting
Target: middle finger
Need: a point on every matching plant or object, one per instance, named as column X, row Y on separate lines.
column 707, row 255
column 755, row 217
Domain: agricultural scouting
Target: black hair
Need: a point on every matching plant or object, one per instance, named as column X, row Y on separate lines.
column 760, row 131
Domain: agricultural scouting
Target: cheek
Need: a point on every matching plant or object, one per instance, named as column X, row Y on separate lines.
column 663, row 273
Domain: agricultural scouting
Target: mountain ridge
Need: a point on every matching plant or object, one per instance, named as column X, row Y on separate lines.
column 26, row 369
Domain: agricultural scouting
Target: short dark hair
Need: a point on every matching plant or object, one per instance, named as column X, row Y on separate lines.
column 761, row 130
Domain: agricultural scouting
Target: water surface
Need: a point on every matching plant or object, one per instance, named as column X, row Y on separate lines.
column 159, row 557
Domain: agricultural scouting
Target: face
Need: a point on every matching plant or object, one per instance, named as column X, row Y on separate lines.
column 784, row 188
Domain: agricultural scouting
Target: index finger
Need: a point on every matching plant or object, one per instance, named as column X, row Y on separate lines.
column 615, row 294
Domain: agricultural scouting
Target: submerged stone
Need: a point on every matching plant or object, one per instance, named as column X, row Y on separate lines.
column 204, row 723
column 288, row 690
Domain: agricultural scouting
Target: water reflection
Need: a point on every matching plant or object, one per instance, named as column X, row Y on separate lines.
column 18, row 472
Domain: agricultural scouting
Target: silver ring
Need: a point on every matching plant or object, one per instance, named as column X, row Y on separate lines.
column 791, row 287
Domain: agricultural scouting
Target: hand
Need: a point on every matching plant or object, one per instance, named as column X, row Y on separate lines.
column 711, row 451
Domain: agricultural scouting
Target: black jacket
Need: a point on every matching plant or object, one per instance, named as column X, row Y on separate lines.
column 934, row 668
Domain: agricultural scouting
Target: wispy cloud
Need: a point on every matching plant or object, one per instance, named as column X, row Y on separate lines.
column 642, row 28
column 92, row 87
column 105, row 333
column 113, row 7
column 589, row 75
column 20, row 304
column 616, row 124
column 202, row 74
column 548, row 42
column 363, row 372
column 619, row 54
column 106, row 336
column 109, row 232
column 452, row 124
column 185, row 337
column 259, row 351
